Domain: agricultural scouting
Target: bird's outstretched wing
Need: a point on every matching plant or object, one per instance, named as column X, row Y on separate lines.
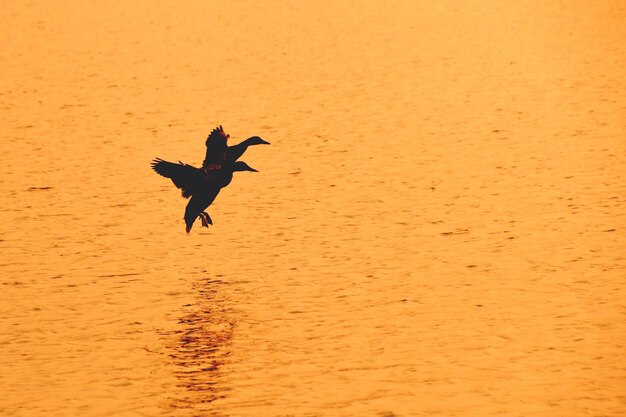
column 215, row 148
column 184, row 176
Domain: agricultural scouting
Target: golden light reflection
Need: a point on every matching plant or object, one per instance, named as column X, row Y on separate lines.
column 201, row 346
column 436, row 230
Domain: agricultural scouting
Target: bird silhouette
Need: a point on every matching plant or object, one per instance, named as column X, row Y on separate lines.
column 217, row 150
column 204, row 184
column 199, row 184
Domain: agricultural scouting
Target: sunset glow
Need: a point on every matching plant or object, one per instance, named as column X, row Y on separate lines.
column 437, row 229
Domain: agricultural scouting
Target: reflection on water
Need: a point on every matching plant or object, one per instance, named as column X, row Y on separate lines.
column 200, row 347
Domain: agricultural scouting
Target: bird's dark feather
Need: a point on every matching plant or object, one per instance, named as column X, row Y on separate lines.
column 184, row 176
column 216, row 148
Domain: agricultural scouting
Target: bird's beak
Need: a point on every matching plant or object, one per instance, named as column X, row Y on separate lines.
column 264, row 142
column 253, row 170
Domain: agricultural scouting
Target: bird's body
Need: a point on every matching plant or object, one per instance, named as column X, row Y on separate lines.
column 200, row 184
column 208, row 190
column 204, row 184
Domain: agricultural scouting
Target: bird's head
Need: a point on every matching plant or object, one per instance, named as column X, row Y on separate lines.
column 255, row 140
column 242, row 166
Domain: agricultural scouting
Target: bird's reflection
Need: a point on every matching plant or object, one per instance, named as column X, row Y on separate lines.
column 201, row 348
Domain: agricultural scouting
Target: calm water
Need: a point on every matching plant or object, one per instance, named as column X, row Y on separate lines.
column 436, row 230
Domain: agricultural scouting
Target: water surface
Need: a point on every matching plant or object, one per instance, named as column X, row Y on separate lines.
column 436, row 230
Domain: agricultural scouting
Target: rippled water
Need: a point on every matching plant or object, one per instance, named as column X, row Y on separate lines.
column 436, row 229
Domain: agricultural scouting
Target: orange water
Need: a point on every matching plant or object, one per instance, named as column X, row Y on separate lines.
column 436, row 230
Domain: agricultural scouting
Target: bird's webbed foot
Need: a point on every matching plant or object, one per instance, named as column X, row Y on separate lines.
column 206, row 219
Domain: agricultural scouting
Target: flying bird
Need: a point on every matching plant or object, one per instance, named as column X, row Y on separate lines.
column 200, row 186
column 204, row 184
column 217, row 150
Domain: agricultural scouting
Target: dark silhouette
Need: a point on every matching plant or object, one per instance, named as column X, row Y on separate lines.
column 199, row 184
column 204, row 184
column 215, row 149
column 209, row 190
column 186, row 177
column 234, row 152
